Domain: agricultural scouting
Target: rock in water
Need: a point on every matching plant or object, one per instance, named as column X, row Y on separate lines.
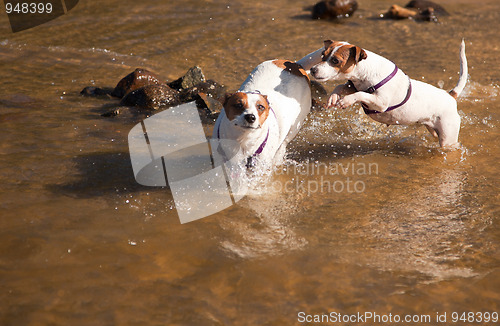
column 135, row 80
column 193, row 77
column 398, row 12
column 92, row 91
column 209, row 87
column 152, row 97
column 334, row 9
column 418, row 10
column 423, row 5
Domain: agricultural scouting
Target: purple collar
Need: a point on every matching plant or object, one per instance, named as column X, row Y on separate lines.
column 384, row 81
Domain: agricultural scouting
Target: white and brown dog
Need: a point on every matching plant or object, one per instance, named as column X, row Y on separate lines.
column 387, row 94
column 267, row 111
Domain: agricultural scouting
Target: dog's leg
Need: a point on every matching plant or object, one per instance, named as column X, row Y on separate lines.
column 448, row 129
column 340, row 91
column 373, row 101
column 279, row 158
column 432, row 131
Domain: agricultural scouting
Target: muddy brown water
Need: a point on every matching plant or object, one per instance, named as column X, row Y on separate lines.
column 81, row 243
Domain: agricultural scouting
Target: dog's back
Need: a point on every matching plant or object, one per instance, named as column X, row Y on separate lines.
column 287, row 87
column 281, row 76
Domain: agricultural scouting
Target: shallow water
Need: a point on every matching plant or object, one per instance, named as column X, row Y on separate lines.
column 82, row 243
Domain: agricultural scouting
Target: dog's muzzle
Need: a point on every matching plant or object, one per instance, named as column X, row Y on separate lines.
column 250, row 118
column 314, row 71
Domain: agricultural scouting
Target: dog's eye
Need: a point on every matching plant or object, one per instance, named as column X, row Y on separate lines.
column 261, row 107
column 239, row 106
column 334, row 61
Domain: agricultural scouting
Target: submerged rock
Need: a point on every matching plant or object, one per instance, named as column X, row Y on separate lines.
column 111, row 113
column 138, row 78
column 152, row 97
column 327, row 9
column 92, row 91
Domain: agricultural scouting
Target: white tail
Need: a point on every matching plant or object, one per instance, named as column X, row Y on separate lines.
column 455, row 92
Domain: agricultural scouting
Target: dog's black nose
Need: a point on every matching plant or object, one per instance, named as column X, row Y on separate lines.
column 250, row 118
column 314, row 70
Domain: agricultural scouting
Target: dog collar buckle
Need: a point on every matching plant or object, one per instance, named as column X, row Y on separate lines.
column 249, row 164
column 371, row 90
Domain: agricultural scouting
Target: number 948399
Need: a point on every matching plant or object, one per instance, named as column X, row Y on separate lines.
column 28, row 8
column 474, row 317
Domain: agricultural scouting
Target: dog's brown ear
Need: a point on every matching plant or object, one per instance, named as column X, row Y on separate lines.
column 327, row 43
column 358, row 53
column 225, row 99
column 267, row 101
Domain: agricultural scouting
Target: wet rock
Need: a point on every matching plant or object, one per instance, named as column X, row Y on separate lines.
column 208, row 96
column 428, row 14
column 327, row 9
column 418, row 10
column 92, row 91
column 209, row 87
column 193, row 77
column 143, row 91
column 210, row 103
column 423, row 5
column 135, row 80
column 205, row 106
column 208, row 107
column 398, row 12
column 152, row 97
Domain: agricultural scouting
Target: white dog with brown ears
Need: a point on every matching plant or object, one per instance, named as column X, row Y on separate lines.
column 267, row 111
column 386, row 93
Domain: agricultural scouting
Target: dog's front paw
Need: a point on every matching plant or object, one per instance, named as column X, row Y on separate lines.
column 346, row 102
column 332, row 100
